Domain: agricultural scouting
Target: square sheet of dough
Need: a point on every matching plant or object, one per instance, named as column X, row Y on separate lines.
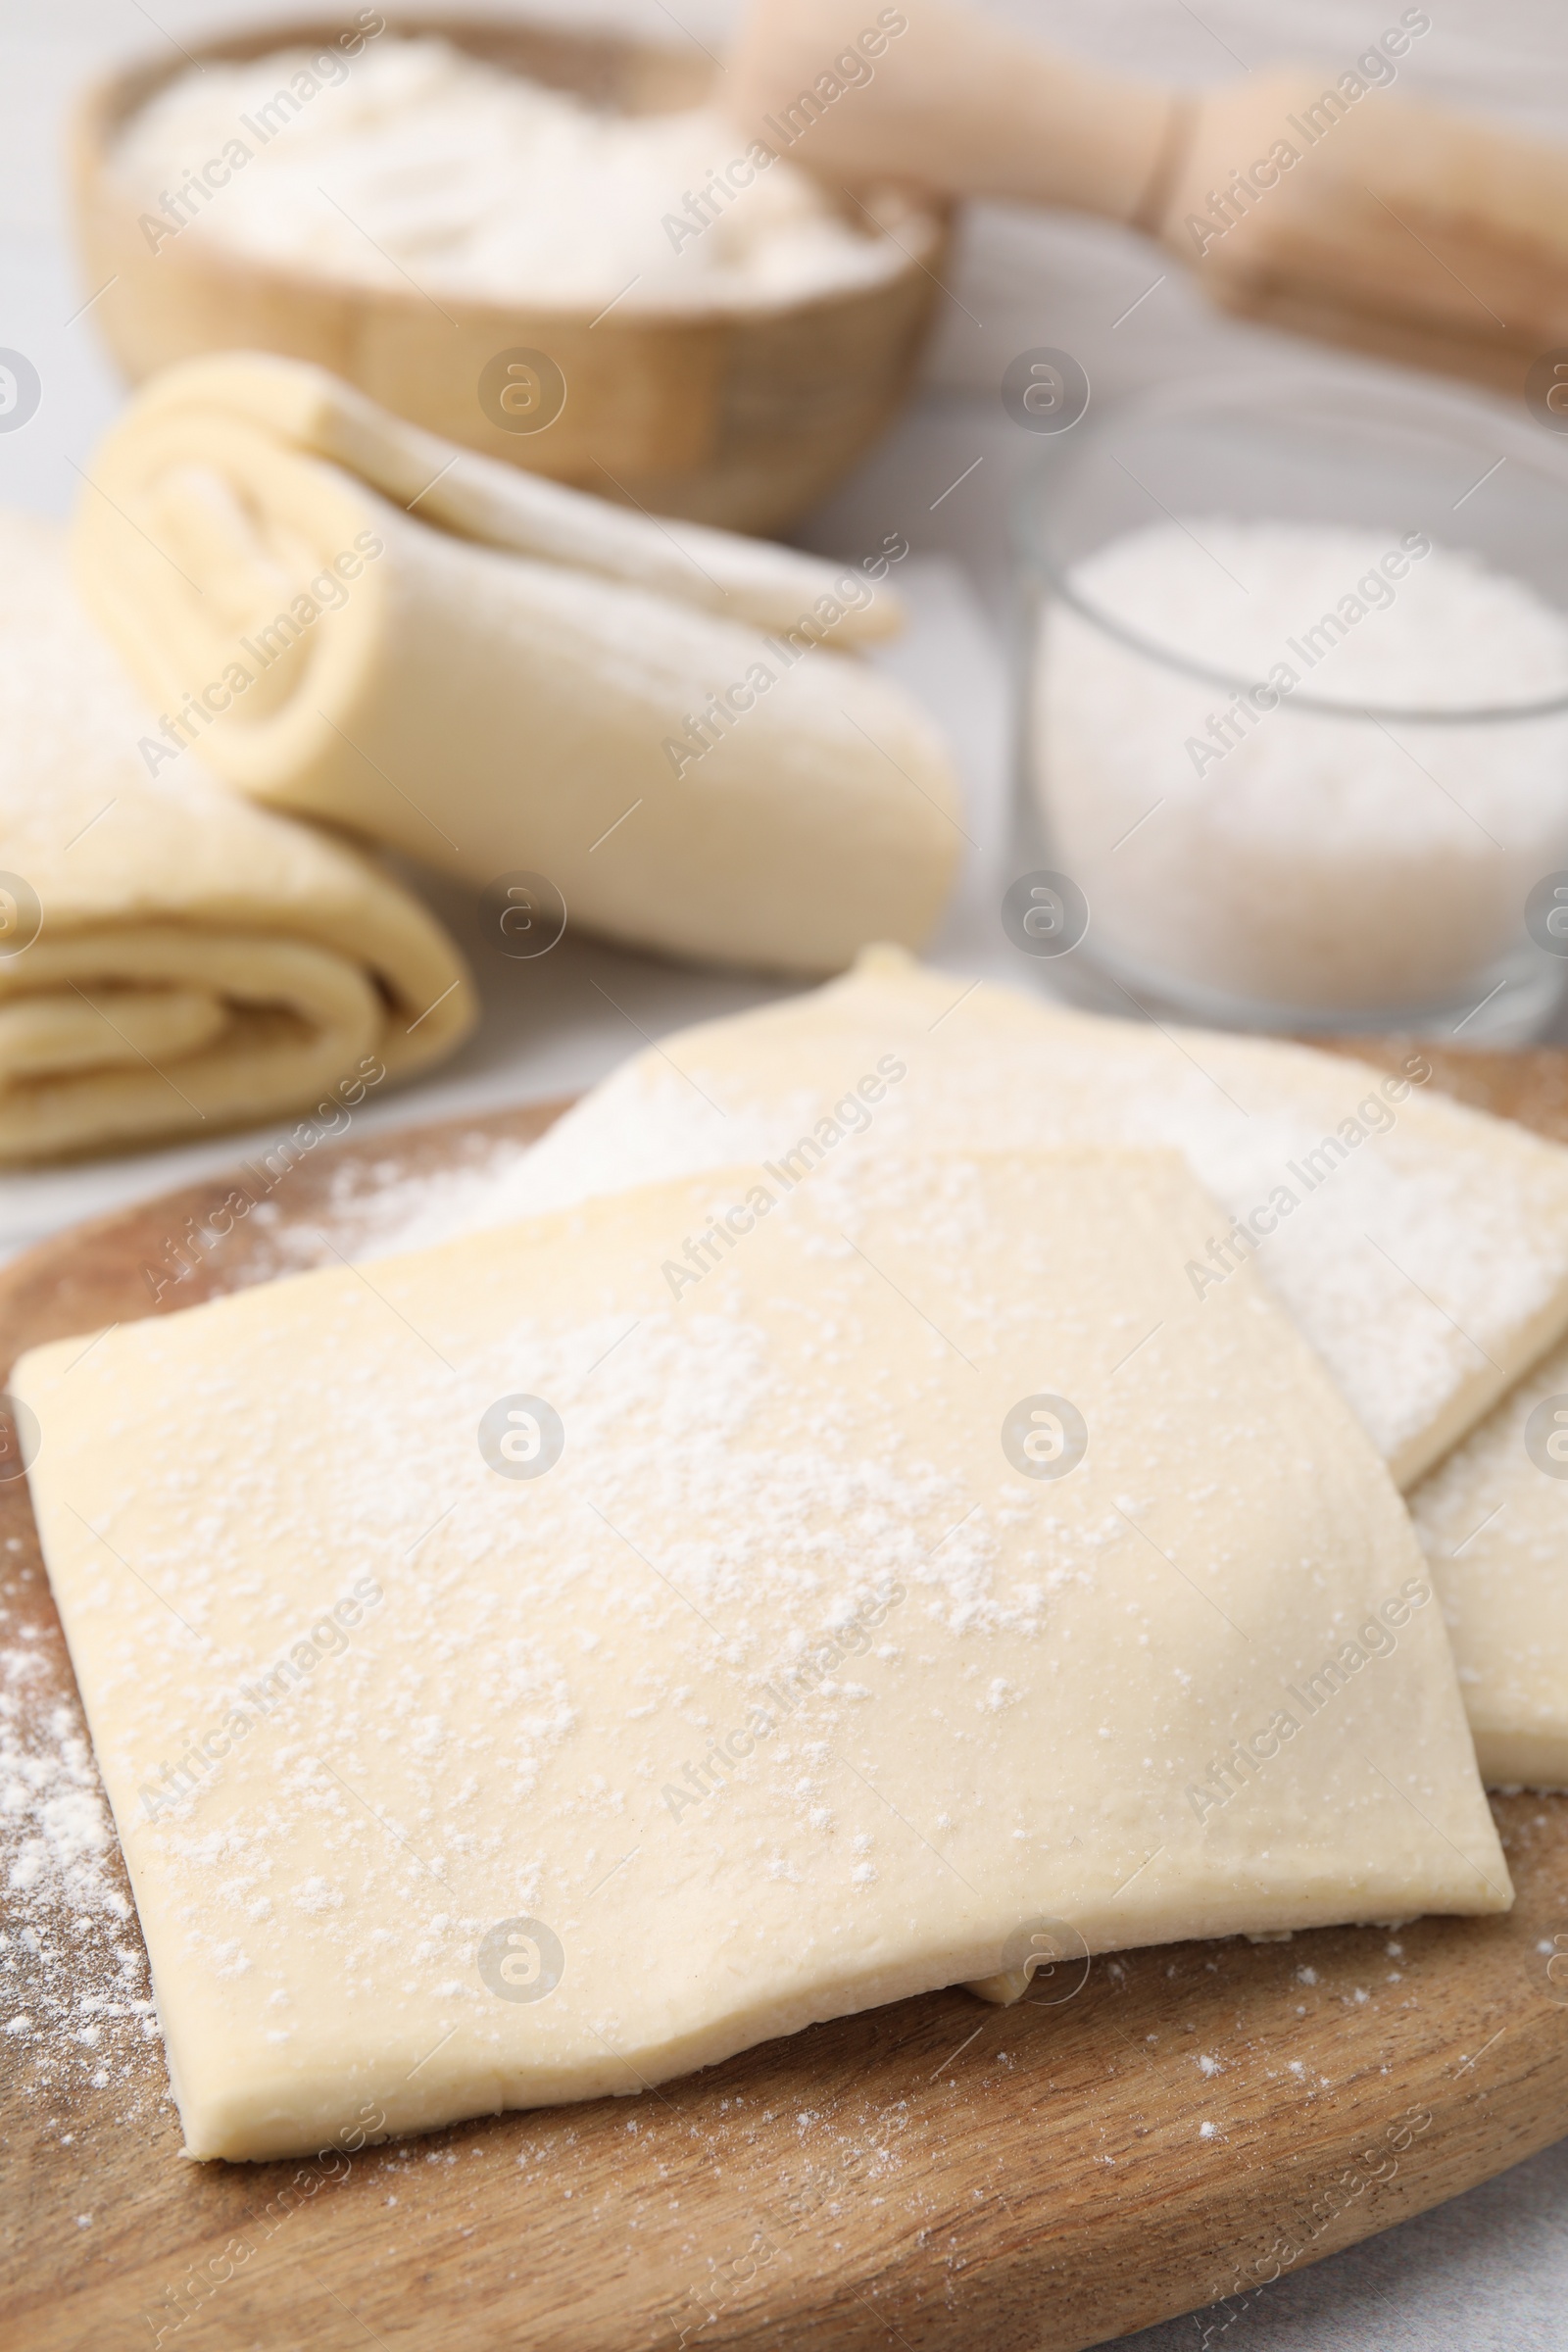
column 783, row 1556
column 1423, row 1250
column 1493, row 1519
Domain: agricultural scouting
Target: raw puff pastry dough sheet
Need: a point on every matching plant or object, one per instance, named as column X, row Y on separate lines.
column 372, row 1688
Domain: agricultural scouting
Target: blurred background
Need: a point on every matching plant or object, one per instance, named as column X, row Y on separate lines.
column 946, row 477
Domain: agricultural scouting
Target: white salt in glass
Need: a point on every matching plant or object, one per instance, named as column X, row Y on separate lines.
column 1296, row 706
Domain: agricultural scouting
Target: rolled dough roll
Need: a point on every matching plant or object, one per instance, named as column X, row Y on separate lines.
column 518, row 1677
column 1421, row 1247
column 586, row 694
column 173, row 960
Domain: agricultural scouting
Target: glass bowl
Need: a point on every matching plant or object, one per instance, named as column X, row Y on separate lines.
column 1232, row 807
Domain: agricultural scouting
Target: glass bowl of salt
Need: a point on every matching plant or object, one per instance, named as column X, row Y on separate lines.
column 1295, row 728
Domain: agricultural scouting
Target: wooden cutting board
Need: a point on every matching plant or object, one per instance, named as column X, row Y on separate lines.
column 1180, row 2126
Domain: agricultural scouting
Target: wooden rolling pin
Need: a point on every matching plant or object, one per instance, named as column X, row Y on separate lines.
column 1325, row 202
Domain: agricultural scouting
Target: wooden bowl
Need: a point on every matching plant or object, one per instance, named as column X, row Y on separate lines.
column 739, row 417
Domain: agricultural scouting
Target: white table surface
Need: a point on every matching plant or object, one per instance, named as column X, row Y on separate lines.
column 1490, row 2269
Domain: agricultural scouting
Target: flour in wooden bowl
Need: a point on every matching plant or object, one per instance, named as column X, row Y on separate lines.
column 411, row 160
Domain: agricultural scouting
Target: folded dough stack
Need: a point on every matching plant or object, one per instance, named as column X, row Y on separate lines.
column 908, row 1597
column 1420, row 1245
column 494, row 674
column 175, row 961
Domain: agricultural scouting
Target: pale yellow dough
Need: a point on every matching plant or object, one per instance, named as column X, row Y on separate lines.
column 951, row 1703
column 1494, row 1520
column 174, row 961
column 505, row 680
column 1425, row 1254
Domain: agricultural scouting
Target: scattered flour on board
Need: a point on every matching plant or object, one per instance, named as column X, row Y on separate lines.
column 75, row 2006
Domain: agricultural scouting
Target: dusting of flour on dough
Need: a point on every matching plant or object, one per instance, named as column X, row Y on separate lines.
column 1431, row 1247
